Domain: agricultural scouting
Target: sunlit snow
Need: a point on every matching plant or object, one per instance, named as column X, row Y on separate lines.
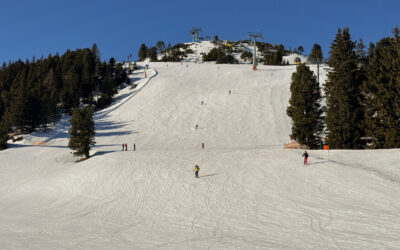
column 251, row 194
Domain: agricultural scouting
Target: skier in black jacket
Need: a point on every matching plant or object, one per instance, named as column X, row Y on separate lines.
column 305, row 155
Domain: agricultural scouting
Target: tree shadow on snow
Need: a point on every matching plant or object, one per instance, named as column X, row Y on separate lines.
column 37, row 146
column 134, row 79
column 119, row 98
column 115, row 133
column 9, row 145
column 103, row 126
column 103, row 152
column 107, row 125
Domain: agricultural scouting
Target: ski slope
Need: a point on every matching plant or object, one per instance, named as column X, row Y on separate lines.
column 251, row 194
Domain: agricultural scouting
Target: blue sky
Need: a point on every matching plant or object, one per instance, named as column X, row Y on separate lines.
column 36, row 28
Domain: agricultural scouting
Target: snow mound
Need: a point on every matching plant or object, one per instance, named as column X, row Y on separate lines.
column 290, row 58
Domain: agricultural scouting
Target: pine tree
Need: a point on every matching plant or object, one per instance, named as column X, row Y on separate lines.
column 382, row 93
column 18, row 114
column 396, row 33
column 223, row 57
column 120, row 74
column 95, row 51
column 300, row 49
column 278, row 58
column 111, row 62
column 3, row 134
column 142, row 54
column 343, row 96
column 316, row 54
column 70, row 92
column 82, row 131
column 152, row 54
column 50, row 98
column 212, row 55
column 246, row 55
column 87, row 83
column 273, row 58
column 371, row 49
column 362, row 55
column 160, row 46
column 304, row 107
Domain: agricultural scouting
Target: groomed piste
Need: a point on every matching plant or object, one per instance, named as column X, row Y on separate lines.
column 251, row 194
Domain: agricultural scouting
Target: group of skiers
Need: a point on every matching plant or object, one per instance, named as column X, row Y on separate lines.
column 125, row 147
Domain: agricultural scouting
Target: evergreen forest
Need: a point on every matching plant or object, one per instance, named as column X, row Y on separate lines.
column 35, row 93
column 362, row 96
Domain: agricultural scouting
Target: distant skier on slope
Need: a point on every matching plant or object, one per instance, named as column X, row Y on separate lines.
column 305, row 155
column 196, row 171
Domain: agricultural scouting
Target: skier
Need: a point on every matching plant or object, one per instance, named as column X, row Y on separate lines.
column 202, row 145
column 229, row 91
column 126, row 147
column 197, row 126
column 134, row 147
column 123, row 145
column 196, row 171
column 305, row 155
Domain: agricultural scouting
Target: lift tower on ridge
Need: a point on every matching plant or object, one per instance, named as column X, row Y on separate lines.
column 255, row 35
column 195, row 33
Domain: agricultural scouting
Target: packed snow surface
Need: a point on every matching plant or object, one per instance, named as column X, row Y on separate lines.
column 251, row 194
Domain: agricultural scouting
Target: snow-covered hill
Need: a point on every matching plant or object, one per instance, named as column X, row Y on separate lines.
column 204, row 47
column 251, row 194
